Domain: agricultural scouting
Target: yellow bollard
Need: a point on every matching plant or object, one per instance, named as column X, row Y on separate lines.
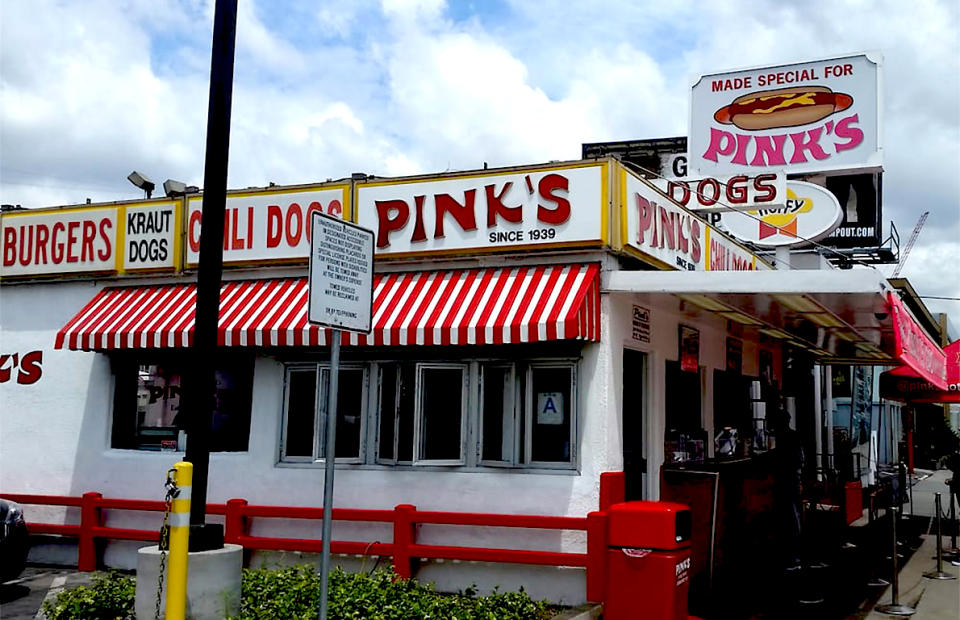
column 179, row 523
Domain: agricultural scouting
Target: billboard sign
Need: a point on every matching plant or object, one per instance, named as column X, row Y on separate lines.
column 861, row 200
column 806, row 117
column 563, row 205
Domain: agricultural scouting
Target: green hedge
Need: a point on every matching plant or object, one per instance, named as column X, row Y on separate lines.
column 294, row 593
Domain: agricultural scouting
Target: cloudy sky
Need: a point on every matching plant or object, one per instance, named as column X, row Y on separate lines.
column 94, row 89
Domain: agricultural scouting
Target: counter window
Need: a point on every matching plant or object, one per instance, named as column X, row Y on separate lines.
column 550, row 418
column 304, row 429
column 481, row 413
column 147, row 396
column 442, row 392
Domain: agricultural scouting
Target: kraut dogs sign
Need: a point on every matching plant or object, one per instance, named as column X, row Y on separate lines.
column 810, row 117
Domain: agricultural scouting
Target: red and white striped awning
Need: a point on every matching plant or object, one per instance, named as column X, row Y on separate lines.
column 466, row 306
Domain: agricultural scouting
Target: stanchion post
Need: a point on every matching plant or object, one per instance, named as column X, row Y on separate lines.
column 179, row 543
column 938, row 574
column 953, row 524
column 894, row 608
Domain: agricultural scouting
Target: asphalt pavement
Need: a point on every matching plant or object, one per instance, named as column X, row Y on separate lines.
column 21, row 598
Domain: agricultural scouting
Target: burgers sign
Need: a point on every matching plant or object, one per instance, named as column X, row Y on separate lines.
column 810, row 117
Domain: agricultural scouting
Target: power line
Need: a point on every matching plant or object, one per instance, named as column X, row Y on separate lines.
column 941, row 298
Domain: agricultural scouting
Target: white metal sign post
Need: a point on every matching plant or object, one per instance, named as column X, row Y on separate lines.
column 340, row 297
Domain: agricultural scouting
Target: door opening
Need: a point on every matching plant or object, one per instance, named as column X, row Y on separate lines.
column 631, row 416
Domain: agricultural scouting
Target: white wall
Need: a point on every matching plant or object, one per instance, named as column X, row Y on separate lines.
column 55, row 439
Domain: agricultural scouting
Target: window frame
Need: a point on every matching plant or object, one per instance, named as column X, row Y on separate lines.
column 464, row 368
column 320, row 431
column 319, row 410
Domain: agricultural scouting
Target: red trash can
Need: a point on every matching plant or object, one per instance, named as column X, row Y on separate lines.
column 648, row 561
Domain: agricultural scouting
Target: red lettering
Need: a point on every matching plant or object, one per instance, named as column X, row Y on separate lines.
column 72, row 240
column 706, row 199
column 695, row 249
column 4, row 371
column 764, row 185
column 293, row 224
column 43, row 237
column 496, row 208
column 737, row 190
column 682, row 187
column 236, row 243
column 26, row 244
column 308, row 221
column 548, row 187
column 667, row 229
column 56, row 247
column 105, row 225
column 86, row 243
column 274, row 225
column 193, row 230
column 807, row 141
column 30, row 369
column 419, row 230
column 387, row 224
column 335, row 208
column 250, row 227
column 721, row 143
column 683, row 244
column 462, row 213
column 226, row 229
column 9, row 246
column 846, row 130
column 645, row 215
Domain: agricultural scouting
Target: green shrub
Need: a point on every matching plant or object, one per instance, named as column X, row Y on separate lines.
column 294, row 593
column 109, row 597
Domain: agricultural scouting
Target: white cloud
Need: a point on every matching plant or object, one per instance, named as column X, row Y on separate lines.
column 94, row 89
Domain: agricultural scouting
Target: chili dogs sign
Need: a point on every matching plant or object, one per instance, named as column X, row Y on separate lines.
column 549, row 206
column 808, row 117
column 266, row 226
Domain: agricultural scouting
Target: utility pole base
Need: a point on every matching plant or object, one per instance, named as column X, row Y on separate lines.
column 896, row 610
column 206, row 537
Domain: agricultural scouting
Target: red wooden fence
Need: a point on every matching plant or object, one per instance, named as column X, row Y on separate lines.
column 404, row 549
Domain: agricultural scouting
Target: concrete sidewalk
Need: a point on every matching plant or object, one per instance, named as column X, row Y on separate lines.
column 933, row 599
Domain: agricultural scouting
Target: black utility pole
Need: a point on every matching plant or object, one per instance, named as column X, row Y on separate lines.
column 201, row 394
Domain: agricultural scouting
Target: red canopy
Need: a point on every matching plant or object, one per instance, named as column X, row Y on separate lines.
column 906, row 385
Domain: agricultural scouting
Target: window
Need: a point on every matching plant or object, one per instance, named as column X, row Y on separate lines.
column 304, row 434
column 147, row 398
column 549, row 418
column 682, row 403
column 485, row 413
column 441, row 419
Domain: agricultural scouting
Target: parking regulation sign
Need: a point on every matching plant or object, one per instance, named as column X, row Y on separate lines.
column 341, row 274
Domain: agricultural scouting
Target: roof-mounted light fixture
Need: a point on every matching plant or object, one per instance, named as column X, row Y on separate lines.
column 141, row 181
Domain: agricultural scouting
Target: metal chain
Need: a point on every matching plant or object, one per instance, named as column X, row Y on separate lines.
column 172, row 491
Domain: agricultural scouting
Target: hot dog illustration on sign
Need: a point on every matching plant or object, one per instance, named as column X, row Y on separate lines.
column 782, row 107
